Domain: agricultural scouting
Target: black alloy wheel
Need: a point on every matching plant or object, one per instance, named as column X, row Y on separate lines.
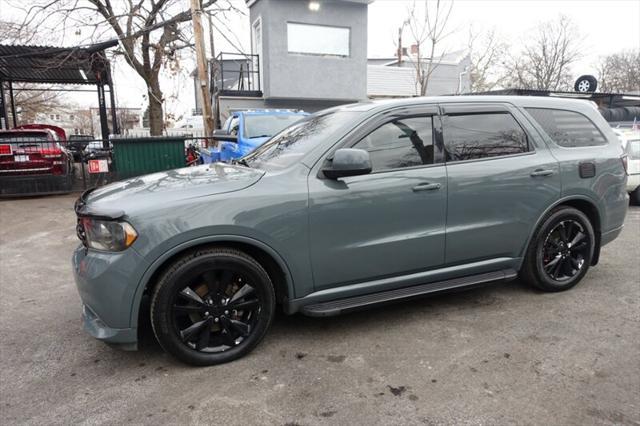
column 212, row 306
column 565, row 250
column 216, row 311
column 560, row 251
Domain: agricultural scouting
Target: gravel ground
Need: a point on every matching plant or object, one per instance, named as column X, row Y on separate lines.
column 502, row 354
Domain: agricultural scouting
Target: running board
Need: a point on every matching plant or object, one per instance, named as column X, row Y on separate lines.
column 340, row 306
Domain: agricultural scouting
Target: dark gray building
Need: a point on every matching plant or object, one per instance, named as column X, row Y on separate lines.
column 304, row 55
column 310, row 54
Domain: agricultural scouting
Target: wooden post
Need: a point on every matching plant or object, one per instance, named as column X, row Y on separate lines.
column 207, row 116
column 213, row 70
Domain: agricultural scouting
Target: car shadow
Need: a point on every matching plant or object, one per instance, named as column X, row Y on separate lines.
column 421, row 308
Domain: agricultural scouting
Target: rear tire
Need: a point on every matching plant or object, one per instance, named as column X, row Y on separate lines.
column 212, row 306
column 560, row 252
column 635, row 196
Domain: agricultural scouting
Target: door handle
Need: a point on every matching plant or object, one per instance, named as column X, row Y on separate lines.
column 426, row 187
column 542, row 172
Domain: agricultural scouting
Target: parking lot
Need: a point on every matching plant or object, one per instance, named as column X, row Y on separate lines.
column 503, row 354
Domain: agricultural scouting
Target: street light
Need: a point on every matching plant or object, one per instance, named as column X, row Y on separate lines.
column 314, row 6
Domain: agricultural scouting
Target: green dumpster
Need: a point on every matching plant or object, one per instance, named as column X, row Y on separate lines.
column 143, row 155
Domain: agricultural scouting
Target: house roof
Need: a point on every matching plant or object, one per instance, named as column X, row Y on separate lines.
column 390, row 81
column 48, row 64
column 451, row 58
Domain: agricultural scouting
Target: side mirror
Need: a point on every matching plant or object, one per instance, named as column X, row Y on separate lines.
column 222, row 135
column 348, row 162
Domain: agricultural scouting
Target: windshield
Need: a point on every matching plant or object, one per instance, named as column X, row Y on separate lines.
column 23, row 137
column 290, row 145
column 261, row 126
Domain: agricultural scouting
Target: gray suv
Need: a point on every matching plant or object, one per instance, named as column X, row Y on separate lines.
column 352, row 207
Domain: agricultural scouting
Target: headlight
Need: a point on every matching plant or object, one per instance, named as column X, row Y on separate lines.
column 106, row 235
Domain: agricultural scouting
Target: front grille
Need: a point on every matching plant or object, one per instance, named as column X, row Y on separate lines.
column 80, row 232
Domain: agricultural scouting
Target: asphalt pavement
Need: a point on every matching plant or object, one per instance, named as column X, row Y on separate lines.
column 503, row 354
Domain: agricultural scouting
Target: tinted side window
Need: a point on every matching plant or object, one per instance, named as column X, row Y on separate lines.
column 567, row 128
column 400, row 143
column 473, row 136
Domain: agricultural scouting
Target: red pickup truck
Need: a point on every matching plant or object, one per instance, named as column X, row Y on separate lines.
column 34, row 160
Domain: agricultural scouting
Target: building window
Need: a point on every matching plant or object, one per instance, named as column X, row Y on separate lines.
column 58, row 117
column 318, row 39
column 52, row 117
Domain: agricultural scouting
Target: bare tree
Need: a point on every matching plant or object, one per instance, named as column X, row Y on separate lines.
column 151, row 32
column 82, row 121
column 428, row 32
column 488, row 55
column 620, row 72
column 31, row 102
column 546, row 57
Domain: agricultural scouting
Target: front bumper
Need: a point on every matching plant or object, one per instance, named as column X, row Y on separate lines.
column 125, row 338
column 107, row 283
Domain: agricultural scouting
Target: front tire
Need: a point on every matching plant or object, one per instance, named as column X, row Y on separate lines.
column 560, row 251
column 212, row 306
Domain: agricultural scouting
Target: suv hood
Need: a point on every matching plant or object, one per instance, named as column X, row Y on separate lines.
column 164, row 187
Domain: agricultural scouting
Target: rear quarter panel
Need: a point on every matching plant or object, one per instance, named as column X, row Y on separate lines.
column 606, row 190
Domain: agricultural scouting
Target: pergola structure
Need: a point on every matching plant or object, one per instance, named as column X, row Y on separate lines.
column 57, row 65
column 603, row 100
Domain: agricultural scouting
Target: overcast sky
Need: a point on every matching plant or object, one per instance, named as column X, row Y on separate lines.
column 605, row 26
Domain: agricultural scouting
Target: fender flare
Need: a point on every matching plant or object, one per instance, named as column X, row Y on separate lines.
column 558, row 202
column 158, row 262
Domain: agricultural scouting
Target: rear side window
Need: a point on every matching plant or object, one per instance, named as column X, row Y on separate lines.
column 475, row 136
column 406, row 142
column 568, row 128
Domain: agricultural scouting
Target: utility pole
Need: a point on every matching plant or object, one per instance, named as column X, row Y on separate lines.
column 214, row 71
column 400, row 49
column 400, row 46
column 207, row 116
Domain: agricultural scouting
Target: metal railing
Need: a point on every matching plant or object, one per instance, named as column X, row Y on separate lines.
column 235, row 74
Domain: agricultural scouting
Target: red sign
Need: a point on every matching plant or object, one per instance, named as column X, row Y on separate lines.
column 98, row 166
column 6, row 149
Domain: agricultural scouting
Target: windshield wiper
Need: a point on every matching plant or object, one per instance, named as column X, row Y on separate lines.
column 241, row 161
